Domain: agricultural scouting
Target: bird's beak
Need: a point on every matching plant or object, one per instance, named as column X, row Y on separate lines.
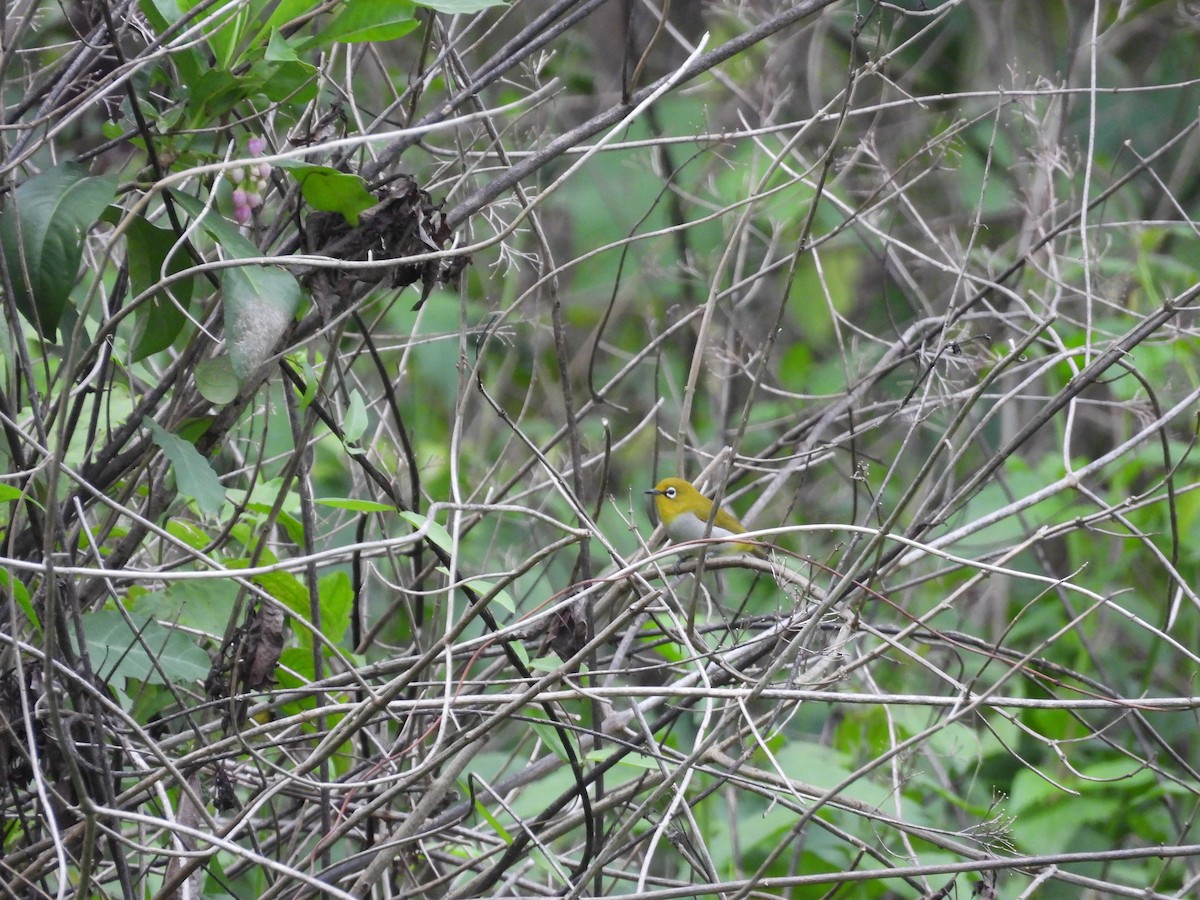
column 652, row 492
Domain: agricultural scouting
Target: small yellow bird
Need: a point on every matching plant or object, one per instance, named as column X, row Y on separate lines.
column 684, row 513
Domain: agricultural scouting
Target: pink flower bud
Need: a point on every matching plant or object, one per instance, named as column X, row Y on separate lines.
column 239, row 197
column 256, row 145
column 236, row 175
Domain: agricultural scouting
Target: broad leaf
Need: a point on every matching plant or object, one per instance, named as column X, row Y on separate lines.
column 259, row 304
column 9, row 492
column 220, row 229
column 42, row 231
column 337, row 603
column 259, row 301
column 162, row 318
column 215, row 380
column 283, row 75
column 371, row 20
column 329, row 190
column 194, row 477
column 116, row 652
column 203, row 605
column 287, row 589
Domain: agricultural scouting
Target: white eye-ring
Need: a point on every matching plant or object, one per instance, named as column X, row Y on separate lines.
column 670, row 492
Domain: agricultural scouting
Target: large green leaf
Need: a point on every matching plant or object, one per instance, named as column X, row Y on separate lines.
column 283, row 75
column 371, row 20
column 215, row 380
column 162, row 318
column 203, row 605
column 194, row 477
column 116, row 653
column 259, row 304
column 42, row 232
column 337, row 604
column 259, row 301
column 330, row 190
column 220, row 229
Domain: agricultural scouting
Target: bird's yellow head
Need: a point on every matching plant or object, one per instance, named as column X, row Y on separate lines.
column 675, row 497
column 684, row 513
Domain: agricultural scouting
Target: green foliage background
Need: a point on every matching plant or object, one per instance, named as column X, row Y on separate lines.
column 326, row 556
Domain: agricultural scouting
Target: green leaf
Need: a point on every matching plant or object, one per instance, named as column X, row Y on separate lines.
column 259, row 304
column 456, row 7
column 283, row 75
column 287, row 10
column 483, row 587
column 116, row 653
column 216, row 92
column 365, row 21
column 292, row 526
column 42, row 231
column 219, row 229
column 550, row 735
column 522, row 654
column 356, row 419
column 436, row 532
column 185, row 531
column 279, row 50
column 487, row 816
column 337, row 602
column 310, row 378
column 162, row 318
column 546, row 663
column 202, row 605
column 215, row 380
column 356, row 505
column 329, row 190
column 287, row 589
column 10, row 493
column 294, row 83
column 14, row 588
column 293, row 662
column 194, row 477
column 636, row 760
column 160, row 13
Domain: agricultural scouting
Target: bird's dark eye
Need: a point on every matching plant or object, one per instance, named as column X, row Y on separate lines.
column 670, row 492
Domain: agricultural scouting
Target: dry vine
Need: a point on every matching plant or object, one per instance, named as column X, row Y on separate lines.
column 326, row 565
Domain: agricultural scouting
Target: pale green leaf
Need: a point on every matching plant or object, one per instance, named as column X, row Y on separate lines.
column 194, row 477
column 330, row 190
column 356, row 505
column 215, row 380
column 116, row 652
column 356, row 419
column 436, row 533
